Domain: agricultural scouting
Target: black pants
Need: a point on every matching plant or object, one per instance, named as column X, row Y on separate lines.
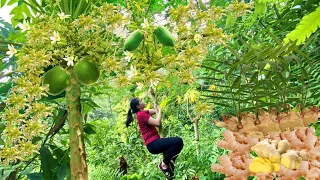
column 171, row 147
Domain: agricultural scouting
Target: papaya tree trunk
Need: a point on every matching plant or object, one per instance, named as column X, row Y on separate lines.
column 78, row 165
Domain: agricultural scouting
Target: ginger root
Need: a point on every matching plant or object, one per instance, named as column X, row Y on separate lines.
column 236, row 142
column 249, row 127
column 234, row 165
column 283, row 146
column 292, row 159
column 310, row 115
column 268, row 122
column 290, row 120
column 220, row 123
column 232, row 123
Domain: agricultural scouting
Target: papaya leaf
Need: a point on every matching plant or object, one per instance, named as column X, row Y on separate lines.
column 91, row 103
column 86, row 108
column 36, row 139
column 11, row 2
column 18, row 12
column 89, row 129
column 308, row 25
column 17, row 37
column 2, row 3
column 48, row 163
column 61, row 171
column 59, row 122
column 61, row 155
column 35, row 176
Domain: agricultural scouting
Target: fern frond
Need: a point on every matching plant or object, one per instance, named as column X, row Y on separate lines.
column 308, row 25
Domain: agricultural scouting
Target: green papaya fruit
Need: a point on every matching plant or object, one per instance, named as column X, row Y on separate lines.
column 133, row 41
column 164, row 36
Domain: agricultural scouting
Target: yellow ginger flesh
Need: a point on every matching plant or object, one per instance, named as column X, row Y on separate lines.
column 266, row 150
column 263, row 165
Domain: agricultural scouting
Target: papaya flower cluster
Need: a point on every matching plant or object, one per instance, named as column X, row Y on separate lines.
column 52, row 40
column 191, row 42
column 24, row 116
column 196, row 36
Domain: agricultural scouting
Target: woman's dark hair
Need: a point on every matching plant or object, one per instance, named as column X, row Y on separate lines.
column 133, row 109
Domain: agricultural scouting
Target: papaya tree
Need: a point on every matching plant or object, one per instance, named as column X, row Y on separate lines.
column 72, row 44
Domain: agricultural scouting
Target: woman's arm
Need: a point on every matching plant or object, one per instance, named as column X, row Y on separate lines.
column 157, row 121
column 152, row 112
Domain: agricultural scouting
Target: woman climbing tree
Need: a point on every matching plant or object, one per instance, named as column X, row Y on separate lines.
column 170, row 147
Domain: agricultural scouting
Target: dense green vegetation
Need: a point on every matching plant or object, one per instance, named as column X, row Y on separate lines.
column 256, row 54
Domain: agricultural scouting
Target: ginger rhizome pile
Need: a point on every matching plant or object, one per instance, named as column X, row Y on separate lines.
column 285, row 147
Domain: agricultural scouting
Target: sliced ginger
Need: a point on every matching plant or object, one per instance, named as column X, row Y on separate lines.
column 292, row 159
column 263, row 165
column 269, row 151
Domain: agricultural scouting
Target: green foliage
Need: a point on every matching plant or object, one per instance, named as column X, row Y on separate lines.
column 230, row 22
column 17, row 13
column 6, row 29
column 260, row 8
column 5, row 171
column 131, row 177
column 75, row 8
column 255, row 70
column 269, row 1
column 48, row 163
column 265, row 76
column 113, row 140
column 101, row 172
column 2, row 3
column 35, row 176
column 308, row 25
